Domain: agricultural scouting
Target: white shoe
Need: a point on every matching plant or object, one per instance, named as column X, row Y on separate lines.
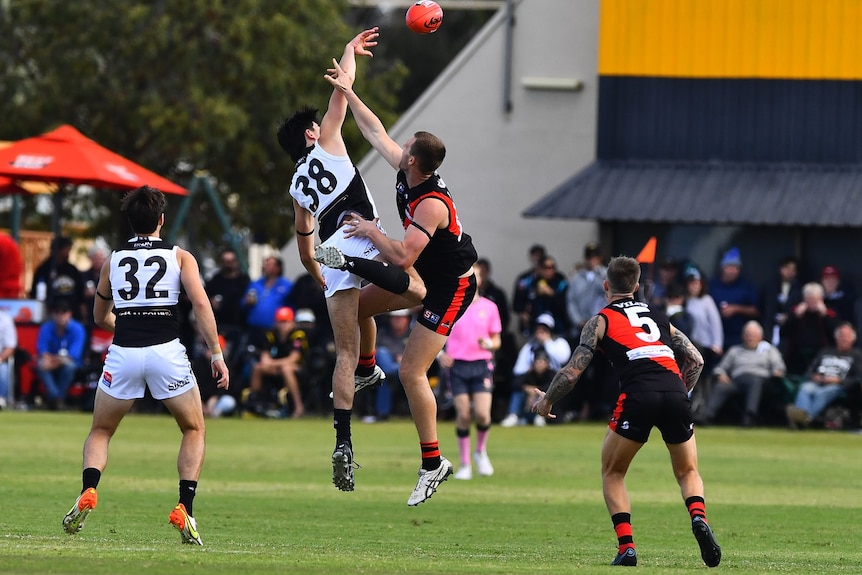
column 540, row 421
column 361, row 382
column 483, row 464
column 510, row 420
column 330, row 256
column 464, row 473
column 428, row 482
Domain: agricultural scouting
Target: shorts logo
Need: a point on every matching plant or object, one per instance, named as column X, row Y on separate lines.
column 431, row 316
column 107, row 378
column 625, row 425
column 178, row 384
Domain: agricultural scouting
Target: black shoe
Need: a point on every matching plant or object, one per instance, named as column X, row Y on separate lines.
column 627, row 558
column 342, row 467
column 710, row 552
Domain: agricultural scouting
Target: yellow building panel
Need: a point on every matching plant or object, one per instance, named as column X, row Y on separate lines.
column 791, row 39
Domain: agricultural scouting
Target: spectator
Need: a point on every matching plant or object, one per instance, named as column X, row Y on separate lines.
column 282, row 352
column 306, row 293
column 707, row 329
column 61, row 279
column 807, row 330
column 265, row 296
column 393, row 331
column 225, row 290
column 779, row 297
column 744, row 370
column 831, row 371
column 586, row 294
column 837, row 297
column 546, row 293
column 527, row 278
column 675, row 308
column 60, row 350
column 736, row 297
column 12, row 268
column 558, row 351
column 8, row 343
column 97, row 253
column 539, row 377
column 668, row 275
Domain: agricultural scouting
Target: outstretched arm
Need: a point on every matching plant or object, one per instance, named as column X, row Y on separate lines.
column 690, row 358
column 330, row 125
column 568, row 376
column 369, row 124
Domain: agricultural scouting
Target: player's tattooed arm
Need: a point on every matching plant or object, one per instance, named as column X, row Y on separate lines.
column 568, row 376
column 691, row 360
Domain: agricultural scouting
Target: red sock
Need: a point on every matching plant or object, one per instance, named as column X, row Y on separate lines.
column 623, row 527
column 696, row 507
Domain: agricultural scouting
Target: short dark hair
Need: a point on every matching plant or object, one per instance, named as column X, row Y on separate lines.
column 623, row 274
column 429, row 152
column 291, row 131
column 143, row 207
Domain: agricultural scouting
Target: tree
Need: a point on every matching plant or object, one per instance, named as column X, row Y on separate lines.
column 182, row 86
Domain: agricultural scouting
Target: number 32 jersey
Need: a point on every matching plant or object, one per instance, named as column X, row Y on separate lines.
column 637, row 343
column 145, row 287
column 328, row 186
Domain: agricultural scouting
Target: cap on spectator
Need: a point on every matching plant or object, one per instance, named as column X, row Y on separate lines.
column 305, row 315
column 546, row 320
column 60, row 242
column 691, row 273
column 60, row 305
column 592, row 250
column 731, row 258
column 284, row 314
column 830, row 272
column 537, row 249
column 669, row 263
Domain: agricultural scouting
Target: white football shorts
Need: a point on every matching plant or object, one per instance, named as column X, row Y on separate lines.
column 337, row 280
column 164, row 368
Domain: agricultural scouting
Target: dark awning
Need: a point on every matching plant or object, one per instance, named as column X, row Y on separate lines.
column 709, row 193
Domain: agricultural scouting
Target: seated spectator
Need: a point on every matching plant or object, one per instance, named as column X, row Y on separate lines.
column 59, row 277
column 558, row 351
column 833, row 369
column 808, row 329
column 393, row 330
column 539, row 377
column 60, row 350
column 282, row 352
column 744, row 370
column 8, row 343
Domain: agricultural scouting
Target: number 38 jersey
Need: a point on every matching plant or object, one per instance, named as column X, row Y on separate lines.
column 145, row 286
column 328, row 186
column 637, row 343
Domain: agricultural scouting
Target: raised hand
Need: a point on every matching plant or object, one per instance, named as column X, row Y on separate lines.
column 363, row 41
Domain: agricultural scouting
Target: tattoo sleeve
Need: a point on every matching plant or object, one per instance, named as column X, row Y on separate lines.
column 569, row 374
column 690, row 358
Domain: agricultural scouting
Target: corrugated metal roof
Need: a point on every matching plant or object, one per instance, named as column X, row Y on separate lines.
column 709, row 193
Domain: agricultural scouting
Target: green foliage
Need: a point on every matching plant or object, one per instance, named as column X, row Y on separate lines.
column 182, row 86
column 779, row 502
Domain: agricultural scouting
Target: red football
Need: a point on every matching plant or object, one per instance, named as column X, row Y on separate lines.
column 424, row 17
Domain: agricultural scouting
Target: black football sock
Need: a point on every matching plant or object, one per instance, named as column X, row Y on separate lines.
column 391, row 278
column 90, row 478
column 342, row 425
column 187, row 495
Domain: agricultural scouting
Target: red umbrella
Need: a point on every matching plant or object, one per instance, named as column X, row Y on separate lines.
column 66, row 156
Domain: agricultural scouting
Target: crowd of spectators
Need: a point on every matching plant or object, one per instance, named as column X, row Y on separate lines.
column 765, row 348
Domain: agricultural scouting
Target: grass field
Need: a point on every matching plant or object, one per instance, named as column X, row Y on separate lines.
column 780, row 502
